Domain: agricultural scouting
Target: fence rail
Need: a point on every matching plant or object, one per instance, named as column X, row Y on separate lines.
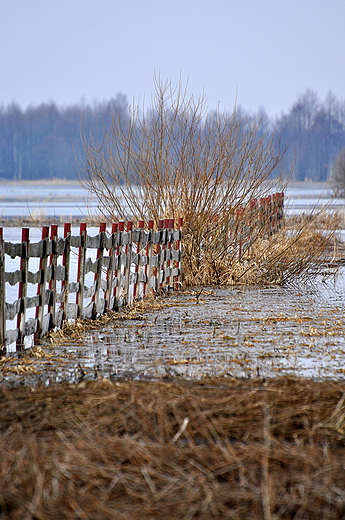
column 129, row 263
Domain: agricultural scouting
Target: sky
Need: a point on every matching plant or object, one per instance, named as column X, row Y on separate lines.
column 257, row 53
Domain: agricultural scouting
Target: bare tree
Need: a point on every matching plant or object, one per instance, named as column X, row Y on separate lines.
column 177, row 160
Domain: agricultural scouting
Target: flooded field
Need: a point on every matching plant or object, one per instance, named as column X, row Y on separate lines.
column 238, row 332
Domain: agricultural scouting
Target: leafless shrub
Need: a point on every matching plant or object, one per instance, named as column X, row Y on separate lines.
column 177, row 160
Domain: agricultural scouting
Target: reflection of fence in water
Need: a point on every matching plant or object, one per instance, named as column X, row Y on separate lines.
column 129, row 263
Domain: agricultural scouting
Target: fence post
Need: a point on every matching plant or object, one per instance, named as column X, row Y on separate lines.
column 98, row 274
column 168, row 263
column 65, row 263
column 178, row 278
column 239, row 228
column 148, row 253
column 128, row 252
column 109, row 304
column 52, row 283
column 23, row 285
column 42, row 285
column 2, row 295
column 81, row 269
column 137, row 268
column 118, row 271
column 160, row 257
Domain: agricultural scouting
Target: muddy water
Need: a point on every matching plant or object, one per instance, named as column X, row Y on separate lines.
column 241, row 332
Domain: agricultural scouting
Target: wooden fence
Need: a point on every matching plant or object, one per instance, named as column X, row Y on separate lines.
column 260, row 217
column 129, row 263
column 257, row 218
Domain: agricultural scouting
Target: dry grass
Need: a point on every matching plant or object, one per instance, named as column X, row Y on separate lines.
column 301, row 249
column 214, row 449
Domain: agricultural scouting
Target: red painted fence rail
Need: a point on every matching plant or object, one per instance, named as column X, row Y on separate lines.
column 129, row 264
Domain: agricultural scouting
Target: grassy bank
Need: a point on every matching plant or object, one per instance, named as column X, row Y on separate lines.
column 220, row 448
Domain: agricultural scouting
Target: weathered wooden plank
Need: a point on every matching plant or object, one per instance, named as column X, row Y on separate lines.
column 118, row 267
column 104, row 285
column 12, row 309
column 75, row 241
column 93, row 242
column 135, row 258
column 125, row 238
column 90, row 266
column 88, row 310
column 30, row 327
column 176, row 271
column 143, row 277
column 157, row 237
column 14, row 250
column 60, row 296
column 11, row 336
column 60, row 273
column 89, row 291
column 14, row 277
column 127, row 271
column 46, row 323
column 177, row 235
column 59, row 317
column 176, row 255
column 136, row 235
column 37, row 250
column 145, row 238
column 153, row 283
column 100, row 306
column 155, row 261
column 133, row 278
column 72, row 311
column 73, row 287
column 35, row 278
column 33, row 301
column 61, row 246
column 122, row 260
column 106, row 262
column 48, row 296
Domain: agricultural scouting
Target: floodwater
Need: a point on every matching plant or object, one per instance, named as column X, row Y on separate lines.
column 238, row 332
column 68, row 199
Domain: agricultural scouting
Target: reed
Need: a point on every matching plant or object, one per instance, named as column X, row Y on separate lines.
column 218, row 448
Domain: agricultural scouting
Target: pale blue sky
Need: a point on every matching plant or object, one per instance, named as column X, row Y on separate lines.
column 268, row 51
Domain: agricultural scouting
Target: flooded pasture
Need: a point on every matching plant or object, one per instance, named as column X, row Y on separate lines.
column 240, row 332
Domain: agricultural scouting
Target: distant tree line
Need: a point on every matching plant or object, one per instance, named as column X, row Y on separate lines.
column 315, row 135
column 44, row 142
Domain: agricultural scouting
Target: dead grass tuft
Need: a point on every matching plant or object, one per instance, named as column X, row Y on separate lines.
column 218, row 448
